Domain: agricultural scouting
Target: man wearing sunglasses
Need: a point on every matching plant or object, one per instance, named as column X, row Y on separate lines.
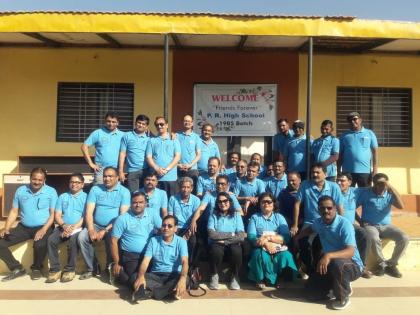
column 358, row 151
column 339, row 263
column 168, row 274
column 163, row 155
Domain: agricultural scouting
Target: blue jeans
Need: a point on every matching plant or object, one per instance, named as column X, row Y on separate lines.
column 87, row 249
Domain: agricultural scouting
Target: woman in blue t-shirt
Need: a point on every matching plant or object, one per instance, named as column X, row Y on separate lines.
column 226, row 235
column 268, row 232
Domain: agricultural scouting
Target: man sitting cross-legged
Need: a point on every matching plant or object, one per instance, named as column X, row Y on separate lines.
column 168, row 274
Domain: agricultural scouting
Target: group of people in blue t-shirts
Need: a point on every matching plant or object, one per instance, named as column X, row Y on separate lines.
column 162, row 203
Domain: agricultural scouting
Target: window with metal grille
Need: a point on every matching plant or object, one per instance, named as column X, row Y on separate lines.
column 81, row 108
column 387, row 111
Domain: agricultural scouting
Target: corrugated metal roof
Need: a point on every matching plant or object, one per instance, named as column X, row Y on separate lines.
column 247, row 15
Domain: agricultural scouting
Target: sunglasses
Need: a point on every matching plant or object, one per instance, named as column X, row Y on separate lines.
column 169, row 226
column 325, row 208
column 223, row 201
column 267, row 202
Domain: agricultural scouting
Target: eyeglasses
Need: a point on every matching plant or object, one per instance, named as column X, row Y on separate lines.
column 223, row 201
column 322, row 208
column 169, row 226
column 267, row 202
column 160, row 124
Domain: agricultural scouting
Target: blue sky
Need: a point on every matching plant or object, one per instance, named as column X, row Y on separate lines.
column 404, row 10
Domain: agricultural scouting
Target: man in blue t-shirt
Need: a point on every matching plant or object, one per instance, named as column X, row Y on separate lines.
column 104, row 204
column 248, row 190
column 35, row 203
column 278, row 182
column 281, row 139
column 308, row 194
column 358, row 151
column 339, row 263
column 132, row 156
column 190, row 150
column 169, row 256
column 156, row 198
column 107, row 141
column 209, row 148
column 295, row 152
column 69, row 213
column 232, row 160
column 207, row 181
column 376, row 205
column 130, row 235
column 163, row 155
column 326, row 148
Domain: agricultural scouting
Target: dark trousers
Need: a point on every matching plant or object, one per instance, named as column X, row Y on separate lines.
column 309, row 252
column 193, row 254
column 135, row 180
column 232, row 251
column 20, row 234
column 170, row 187
column 72, row 248
column 162, row 284
column 340, row 272
column 130, row 263
column 361, row 179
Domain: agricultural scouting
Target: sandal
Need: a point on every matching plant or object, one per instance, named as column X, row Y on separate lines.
column 260, row 285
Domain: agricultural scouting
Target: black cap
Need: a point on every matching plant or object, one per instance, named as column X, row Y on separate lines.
column 299, row 124
column 353, row 114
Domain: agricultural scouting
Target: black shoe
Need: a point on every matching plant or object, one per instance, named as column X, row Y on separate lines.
column 366, row 274
column 18, row 272
column 96, row 269
column 110, row 271
column 340, row 304
column 393, row 271
column 379, row 272
column 86, row 275
column 140, row 294
column 36, row 274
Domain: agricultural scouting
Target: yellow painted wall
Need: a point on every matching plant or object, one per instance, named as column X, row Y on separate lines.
column 368, row 70
column 28, row 92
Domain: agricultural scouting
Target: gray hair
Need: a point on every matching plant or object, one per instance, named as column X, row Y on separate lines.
column 185, row 179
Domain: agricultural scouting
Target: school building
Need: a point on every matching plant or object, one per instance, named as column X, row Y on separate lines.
column 61, row 71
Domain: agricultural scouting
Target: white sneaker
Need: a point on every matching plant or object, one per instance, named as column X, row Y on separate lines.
column 214, row 282
column 234, row 285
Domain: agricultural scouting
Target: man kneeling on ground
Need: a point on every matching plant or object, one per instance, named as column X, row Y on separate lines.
column 340, row 261
column 130, row 234
column 168, row 275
